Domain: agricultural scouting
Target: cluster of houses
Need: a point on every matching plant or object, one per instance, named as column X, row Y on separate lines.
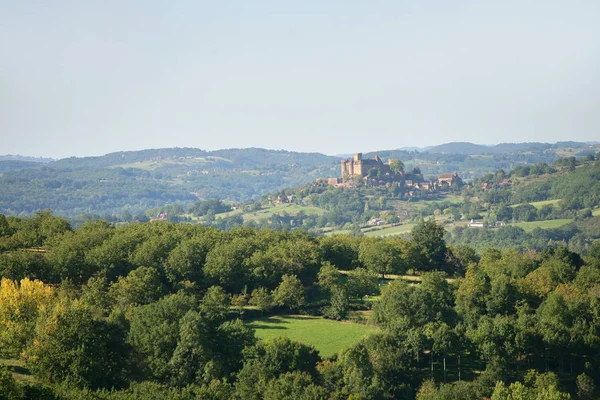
column 480, row 224
column 360, row 168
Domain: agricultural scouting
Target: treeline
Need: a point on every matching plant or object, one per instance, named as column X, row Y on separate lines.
column 577, row 236
column 151, row 310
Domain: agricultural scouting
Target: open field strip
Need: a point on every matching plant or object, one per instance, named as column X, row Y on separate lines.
column 395, row 230
column 540, row 204
column 291, row 209
column 549, row 224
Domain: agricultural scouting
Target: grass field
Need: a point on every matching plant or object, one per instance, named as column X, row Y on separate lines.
column 291, row 209
column 553, row 223
column 395, row 230
column 596, row 212
column 540, row 204
column 327, row 336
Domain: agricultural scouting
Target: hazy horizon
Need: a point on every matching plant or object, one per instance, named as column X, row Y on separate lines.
column 91, row 78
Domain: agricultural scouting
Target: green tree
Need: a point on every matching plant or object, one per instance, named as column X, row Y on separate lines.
column 362, row 282
column 294, row 385
column 339, row 304
column 215, row 304
column 428, row 238
column 268, row 360
column 289, row 293
column 5, row 229
column 141, row 286
column 329, row 277
column 206, row 351
column 9, row 389
column 73, row 346
column 262, row 299
column 396, row 166
column 585, row 387
column 381, row 256
column 185, row 261
column 154, row 333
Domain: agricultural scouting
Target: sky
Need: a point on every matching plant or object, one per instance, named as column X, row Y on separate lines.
column 80, row 78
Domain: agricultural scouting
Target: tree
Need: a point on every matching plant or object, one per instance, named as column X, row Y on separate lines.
column 262, row 299
column 141, row 286
column 73, row 346
column 4, row 226
column 339, row 305
column 154, row 333
column 9, row 389
column 585, row 387
column 362, row 282
column 341, row 251
column 225, row 263
column 271, row 358
column 207, row 350
column 329, row 277
column 292, row 386
column 215, row 304
column 443, row 342
column 396, row 166
column 239, row 301
column 20, row 306
column 290, row 292
column 428, row 238
column 381, row 256
column 402, row 306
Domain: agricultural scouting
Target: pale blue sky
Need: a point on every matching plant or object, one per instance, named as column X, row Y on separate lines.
column 91, row 77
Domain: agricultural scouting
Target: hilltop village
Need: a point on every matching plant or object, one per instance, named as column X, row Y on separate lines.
column 374, row 172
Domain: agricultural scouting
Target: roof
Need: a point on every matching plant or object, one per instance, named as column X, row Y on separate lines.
column 447, row 176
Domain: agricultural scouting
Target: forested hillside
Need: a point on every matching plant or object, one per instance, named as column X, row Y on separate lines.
column 140, row 180
column 137, row 181
column 173, row 311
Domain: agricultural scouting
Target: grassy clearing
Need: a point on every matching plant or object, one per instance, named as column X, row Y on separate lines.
column 596, row 212
column 150, row 165
column 19, row 370
column 553, row 223
column 327, row 336
column 540, row 204
column 291, row 209
column 395, row 230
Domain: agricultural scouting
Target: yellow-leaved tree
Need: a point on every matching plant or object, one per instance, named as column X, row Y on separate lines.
column 20, row 304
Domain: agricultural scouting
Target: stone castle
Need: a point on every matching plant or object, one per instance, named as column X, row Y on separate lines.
column 358, row 167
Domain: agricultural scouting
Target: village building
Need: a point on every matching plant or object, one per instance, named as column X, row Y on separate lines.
column 449, row 179
column 475, row 224
column 375, row 222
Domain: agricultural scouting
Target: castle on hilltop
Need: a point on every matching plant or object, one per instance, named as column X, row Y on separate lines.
column 373, row 172
column 358, row 167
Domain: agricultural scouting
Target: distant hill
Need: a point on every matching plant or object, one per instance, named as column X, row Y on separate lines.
column 228, row 158
column 13, row 157
column 467, row 148
column 139, row 180
column 7, row 165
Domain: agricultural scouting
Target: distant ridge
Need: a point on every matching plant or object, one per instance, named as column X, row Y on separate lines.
column 17, row 157
column 468, row 148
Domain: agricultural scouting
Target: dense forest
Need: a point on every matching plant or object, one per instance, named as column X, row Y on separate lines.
column 162, row 310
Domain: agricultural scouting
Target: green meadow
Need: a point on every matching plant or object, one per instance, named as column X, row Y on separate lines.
column 549, row 224
column 540, row 204
column 327, row 336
